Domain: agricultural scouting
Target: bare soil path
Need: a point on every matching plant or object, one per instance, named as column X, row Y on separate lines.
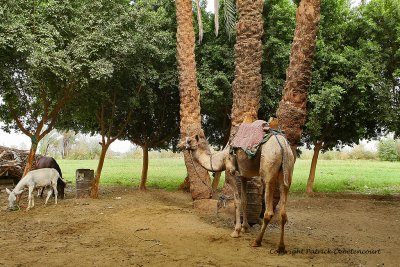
column 129, row 228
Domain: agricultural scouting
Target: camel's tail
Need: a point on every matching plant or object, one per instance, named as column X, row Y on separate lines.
column 285, row 160
column 285, row 164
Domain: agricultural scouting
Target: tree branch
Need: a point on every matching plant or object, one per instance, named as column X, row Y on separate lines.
column 112, row 117
column 122, row 127
column 18, row 122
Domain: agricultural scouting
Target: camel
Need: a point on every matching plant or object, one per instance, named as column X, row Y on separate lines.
column 273, row 162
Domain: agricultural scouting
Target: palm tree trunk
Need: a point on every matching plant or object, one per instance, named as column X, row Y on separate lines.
column 199, row 179
column 145, row 168
column 311, row 176
column 248, row 57
column 292, row 108
column 246, row 87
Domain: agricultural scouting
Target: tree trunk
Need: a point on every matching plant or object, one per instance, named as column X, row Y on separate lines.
column 199, row 179
column 65, row 149
column 291, row 112
column 145, row 168
column 94, row 191
column 310, row 182
column 247, row 85
column 185, row 185
column 31, row 157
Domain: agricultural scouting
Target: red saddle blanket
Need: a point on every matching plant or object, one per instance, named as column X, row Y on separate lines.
column 249, row 135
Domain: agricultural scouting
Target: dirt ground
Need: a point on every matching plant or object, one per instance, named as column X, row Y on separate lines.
column 126, row 227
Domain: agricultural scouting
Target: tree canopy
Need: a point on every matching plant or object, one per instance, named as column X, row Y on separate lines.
column 39, row 68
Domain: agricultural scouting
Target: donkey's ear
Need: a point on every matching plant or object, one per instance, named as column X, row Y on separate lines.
column 19, row 192
column 8, row 191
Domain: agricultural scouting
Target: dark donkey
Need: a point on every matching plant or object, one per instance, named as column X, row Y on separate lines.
column 49, row 162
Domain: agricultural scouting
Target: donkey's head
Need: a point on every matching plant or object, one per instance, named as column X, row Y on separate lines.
column 12, row 199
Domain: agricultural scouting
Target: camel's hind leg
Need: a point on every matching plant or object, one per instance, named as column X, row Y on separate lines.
column 269, row 213
column 284, row 193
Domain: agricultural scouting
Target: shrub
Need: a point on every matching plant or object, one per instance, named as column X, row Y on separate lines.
column 359, row 152
column 306, row 153
column 387, row 150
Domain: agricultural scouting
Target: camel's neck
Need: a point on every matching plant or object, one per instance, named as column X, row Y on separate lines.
column 211, row 162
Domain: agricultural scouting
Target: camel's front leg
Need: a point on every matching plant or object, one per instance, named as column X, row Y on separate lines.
column 230, row 179
column 238, row 225
column 245, row 225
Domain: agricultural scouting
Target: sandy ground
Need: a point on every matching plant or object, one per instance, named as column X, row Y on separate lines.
column 126, row 227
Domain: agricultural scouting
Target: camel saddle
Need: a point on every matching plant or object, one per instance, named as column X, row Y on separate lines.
column 249, row 135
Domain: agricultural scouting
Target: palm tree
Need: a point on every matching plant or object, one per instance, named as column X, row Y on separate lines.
column 198, row 177
column 247, row 85
column 248, row 56
column 291, row 112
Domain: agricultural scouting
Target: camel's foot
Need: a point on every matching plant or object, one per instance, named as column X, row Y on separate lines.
column 281, row 250
column 255, row 243
column 235, row 234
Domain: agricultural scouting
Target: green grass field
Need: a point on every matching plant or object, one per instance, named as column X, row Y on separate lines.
column 361, row 176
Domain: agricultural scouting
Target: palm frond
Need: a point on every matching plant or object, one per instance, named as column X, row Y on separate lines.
column 199, row 21
column 216, row 17
column 230, row 16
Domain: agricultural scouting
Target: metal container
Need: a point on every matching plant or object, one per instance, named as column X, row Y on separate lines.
column 84, row 180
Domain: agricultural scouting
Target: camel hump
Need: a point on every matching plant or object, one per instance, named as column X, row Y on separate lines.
column 273, row 123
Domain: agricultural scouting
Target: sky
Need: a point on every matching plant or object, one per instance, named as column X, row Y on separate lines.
column 21, row 141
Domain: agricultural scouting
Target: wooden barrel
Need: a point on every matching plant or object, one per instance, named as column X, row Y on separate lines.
column 84, row 179
column 254, row 199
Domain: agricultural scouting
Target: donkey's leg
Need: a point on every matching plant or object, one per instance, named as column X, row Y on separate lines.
column 55, row 193
column 269, row 213
column 245, row 225
column 284, row 193
column 33, row 198
column 29, row 198
column 49, row 192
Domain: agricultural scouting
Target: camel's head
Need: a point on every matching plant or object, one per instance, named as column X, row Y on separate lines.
column 194, row 139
